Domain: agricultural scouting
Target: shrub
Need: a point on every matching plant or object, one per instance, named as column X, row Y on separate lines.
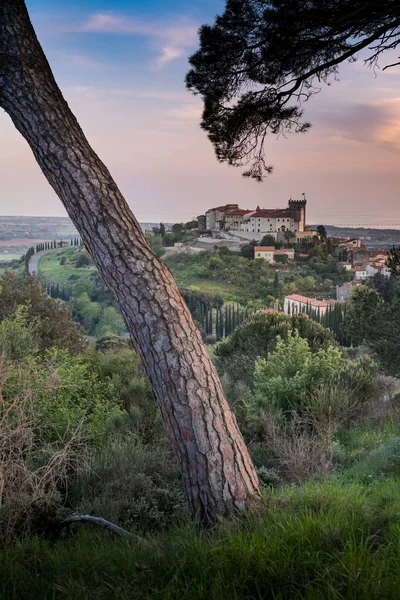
column 55, row 327
column 290, row 374
column 18, row 336
column 66, row 396
column 381, row 463
column 32, row 474
column 131, row 484
column 83, row 260
column 301, row 451
column 257, row 337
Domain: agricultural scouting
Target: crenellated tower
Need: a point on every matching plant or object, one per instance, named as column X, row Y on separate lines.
column 297, row 210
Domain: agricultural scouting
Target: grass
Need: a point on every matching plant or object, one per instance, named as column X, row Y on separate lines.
column 324, row 540
column 52, row 270
column 10, row 256
column 226, row 291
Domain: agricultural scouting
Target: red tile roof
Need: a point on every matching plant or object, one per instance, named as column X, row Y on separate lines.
column 224, row 208
column 311, row 301
column 264, row 248
column 274, row 213
column 239, row 212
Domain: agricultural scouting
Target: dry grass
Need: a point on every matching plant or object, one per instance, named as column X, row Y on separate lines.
column 31, row 475
column 301, row 451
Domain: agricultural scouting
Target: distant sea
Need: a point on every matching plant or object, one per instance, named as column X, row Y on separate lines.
column 369, row 222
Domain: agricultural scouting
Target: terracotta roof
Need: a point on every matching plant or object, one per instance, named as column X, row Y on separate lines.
column 274, row 213
column 311, row 301
column 283, row 251
column 226, row 207
column 376, row 253
column 238, row 212
column 358, row 268
column 264, row 248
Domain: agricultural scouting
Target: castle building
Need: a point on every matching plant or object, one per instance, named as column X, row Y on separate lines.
column 257, row 223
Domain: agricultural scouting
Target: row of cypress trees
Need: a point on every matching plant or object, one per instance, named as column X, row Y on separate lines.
column 332, row 319
column 29, row 253
column 223, row 320
column 56, row 290
column 54, row 244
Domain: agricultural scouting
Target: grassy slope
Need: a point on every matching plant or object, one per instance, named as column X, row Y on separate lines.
column 320, row 541
column 50, row 268
column 336, row 538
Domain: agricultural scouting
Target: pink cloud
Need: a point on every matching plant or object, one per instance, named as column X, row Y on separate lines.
column 173, row 41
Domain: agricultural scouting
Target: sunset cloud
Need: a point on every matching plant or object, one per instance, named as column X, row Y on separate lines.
column 172, row 41
column 373, row 123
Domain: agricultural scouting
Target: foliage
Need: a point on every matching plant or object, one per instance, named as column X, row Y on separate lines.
column 377, row 324
column 385, row 286
column 321, row 540
column 363, row 315
column 131, row 484
column 267, row 240
column 258, row 336
column 55, row 327
column 156, row 243
column 18, row 336
column 96, row 319
column 31, row 473
column 393, row 261
column 290, row 374
column 260, row 60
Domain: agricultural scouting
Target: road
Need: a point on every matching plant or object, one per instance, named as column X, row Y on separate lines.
column 34, row 262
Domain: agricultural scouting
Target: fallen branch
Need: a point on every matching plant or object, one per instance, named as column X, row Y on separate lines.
column 107, row 525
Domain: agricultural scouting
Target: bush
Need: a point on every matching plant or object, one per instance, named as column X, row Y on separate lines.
column 257, row 337
column 83, row 260
column 301, row 452
column 32, row 474
column 290, row 374
column 55, row 328
column 131, row 484
column 383, row 462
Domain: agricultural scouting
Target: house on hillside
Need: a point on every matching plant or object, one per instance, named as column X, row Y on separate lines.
column 235, row 218
column 215, row 216
column 265, row 252
column 360, row 256
column 295, row 303
column 350, row 244
column 269, row 253
column 360, row 273
column 345, row 291
column 288, row 252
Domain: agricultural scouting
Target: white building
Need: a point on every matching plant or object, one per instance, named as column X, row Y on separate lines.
column 360, row 273
column 215, row 216
column 265, row 252
column 295, row 303
column 256, row 224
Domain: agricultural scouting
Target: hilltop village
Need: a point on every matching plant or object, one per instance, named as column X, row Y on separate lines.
column 280, row 237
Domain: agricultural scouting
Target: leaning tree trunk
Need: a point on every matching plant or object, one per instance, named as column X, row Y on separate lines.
column 217, row 471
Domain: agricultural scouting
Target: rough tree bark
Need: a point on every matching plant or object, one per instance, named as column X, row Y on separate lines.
column 217, row 472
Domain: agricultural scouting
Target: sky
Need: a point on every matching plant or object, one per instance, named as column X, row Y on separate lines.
column 121, row 66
